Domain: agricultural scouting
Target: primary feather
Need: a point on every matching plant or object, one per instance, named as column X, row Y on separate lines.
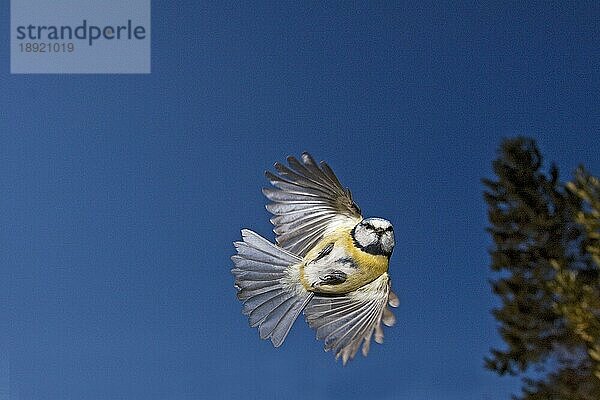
column 345, row 321
column 308, row 201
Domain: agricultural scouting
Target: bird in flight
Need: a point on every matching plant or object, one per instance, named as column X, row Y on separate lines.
column 329, row 262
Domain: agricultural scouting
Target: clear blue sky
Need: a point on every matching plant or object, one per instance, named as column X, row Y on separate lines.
column 122, row 195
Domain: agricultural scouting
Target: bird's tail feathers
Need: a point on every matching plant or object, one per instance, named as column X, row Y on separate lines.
column 265, row 276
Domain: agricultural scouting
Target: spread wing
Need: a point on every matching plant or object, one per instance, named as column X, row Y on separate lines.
column 345, row 321
column 308, row 201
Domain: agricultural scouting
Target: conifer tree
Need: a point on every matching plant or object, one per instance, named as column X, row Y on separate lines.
column 548, row 280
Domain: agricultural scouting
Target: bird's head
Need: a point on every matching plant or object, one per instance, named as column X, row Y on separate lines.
column 374, row 236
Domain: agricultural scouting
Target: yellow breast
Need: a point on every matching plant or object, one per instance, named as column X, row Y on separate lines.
column 369, row 266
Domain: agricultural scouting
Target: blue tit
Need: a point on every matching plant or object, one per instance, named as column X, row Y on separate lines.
column 329, row 262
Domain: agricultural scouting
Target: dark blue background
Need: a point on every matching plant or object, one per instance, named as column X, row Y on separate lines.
column 121, row 195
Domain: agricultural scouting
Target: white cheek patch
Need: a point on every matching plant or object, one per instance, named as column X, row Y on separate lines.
column 387, row 242
column 365, row 237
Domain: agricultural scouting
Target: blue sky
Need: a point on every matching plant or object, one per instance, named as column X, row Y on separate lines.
column 122, row 194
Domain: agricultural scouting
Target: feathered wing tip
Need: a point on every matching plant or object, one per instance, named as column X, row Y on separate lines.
column 272, row 298
column 388, row 317
column 346, row 321
column 307, row 201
